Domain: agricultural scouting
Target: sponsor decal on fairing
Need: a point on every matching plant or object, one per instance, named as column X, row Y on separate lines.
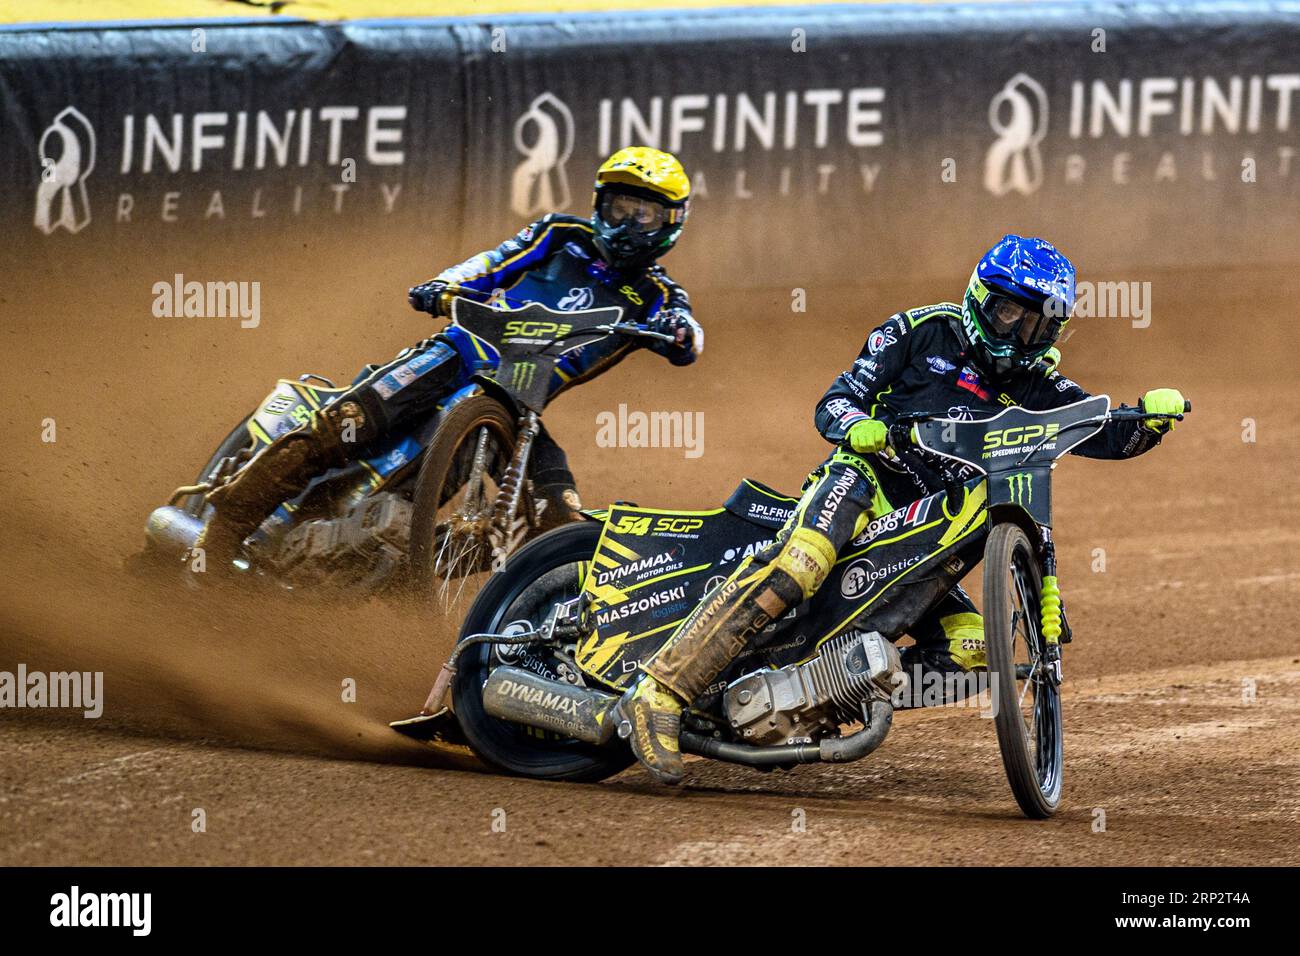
column 860, row 577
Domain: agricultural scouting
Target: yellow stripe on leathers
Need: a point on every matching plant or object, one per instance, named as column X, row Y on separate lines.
column 594, row 660
column 960, row 526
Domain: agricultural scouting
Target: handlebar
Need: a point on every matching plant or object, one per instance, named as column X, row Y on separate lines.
column 901, row 436
column 486, row 298
column 630, row 329
column 1187, row 407
column 902, row 439
column 902, row 433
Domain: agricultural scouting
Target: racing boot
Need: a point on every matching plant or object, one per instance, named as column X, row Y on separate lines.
column 556, row 504
column 953, row 649
column 651, row 718
column 760, row 591
column 555, row 493
column 275, row 474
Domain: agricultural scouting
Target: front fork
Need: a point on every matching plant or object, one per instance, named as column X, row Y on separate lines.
column 1050, row 611
column 504, row 532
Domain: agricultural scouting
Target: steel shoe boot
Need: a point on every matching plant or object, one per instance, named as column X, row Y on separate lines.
column 277, row 473
column 651, row 720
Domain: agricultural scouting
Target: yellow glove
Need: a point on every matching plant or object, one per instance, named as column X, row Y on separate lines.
column 870, row 435
column 1168, row 401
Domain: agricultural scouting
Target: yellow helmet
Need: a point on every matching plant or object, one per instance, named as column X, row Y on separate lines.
column 640, row 206
column 648, row 168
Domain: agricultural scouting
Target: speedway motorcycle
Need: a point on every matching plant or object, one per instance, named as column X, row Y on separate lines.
column 554, row 639
column 435, row 506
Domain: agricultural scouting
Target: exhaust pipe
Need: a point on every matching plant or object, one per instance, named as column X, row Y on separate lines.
column 523, row 697
column 586, row 714
column 171, row 531
column 832, row 750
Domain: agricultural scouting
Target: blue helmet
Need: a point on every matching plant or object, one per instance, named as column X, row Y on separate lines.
column 1020, row 297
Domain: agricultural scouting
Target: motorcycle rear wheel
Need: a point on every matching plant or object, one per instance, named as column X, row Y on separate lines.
column 1030, row 740
column 238, row 440
column 543, row 572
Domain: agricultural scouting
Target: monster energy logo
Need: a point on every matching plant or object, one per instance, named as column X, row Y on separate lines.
column 1021, row 488
column 522, row 375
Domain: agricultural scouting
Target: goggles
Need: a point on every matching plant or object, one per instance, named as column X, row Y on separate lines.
column 641, row 215
column 1016, row 323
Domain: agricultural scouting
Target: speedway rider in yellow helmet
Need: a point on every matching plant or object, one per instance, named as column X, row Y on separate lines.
column 564, row 262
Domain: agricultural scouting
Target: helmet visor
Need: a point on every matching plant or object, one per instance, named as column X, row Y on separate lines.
column 1020, row 325
column 640, row 215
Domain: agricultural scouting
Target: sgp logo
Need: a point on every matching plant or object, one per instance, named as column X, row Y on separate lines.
column 678, row 525
column 1019, row 435
column 537, row 330
column 636, row 524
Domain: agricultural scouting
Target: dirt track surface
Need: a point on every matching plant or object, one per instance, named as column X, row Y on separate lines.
column 232, row 704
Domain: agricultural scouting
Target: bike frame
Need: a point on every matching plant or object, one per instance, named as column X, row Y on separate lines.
column 884, row 580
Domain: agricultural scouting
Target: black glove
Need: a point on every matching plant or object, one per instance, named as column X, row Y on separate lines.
column 682, row 326
column 427, row 296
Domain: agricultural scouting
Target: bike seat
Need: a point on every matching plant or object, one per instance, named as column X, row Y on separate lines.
column 760, row 505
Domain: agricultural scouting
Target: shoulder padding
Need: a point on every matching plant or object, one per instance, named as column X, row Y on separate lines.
column 945, row 310
column 564, row 219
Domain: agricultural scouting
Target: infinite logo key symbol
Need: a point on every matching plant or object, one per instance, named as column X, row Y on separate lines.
column 578, row 298
column 544, row 137
column 1018, row 115
column 67, row 151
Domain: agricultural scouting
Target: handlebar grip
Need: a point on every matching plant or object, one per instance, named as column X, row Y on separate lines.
column 900, row 437
column 1187, row 405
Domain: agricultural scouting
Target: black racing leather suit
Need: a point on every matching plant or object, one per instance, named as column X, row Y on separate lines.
column 917, row 361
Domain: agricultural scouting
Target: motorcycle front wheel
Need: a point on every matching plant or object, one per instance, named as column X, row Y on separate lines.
column 454, row 496
column 1025, row 690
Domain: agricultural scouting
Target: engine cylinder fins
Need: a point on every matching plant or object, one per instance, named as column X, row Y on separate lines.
column 851, row 667
column 365, row 545
column 800, row 702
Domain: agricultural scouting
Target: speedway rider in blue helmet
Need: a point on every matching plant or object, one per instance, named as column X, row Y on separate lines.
column 993, row 350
